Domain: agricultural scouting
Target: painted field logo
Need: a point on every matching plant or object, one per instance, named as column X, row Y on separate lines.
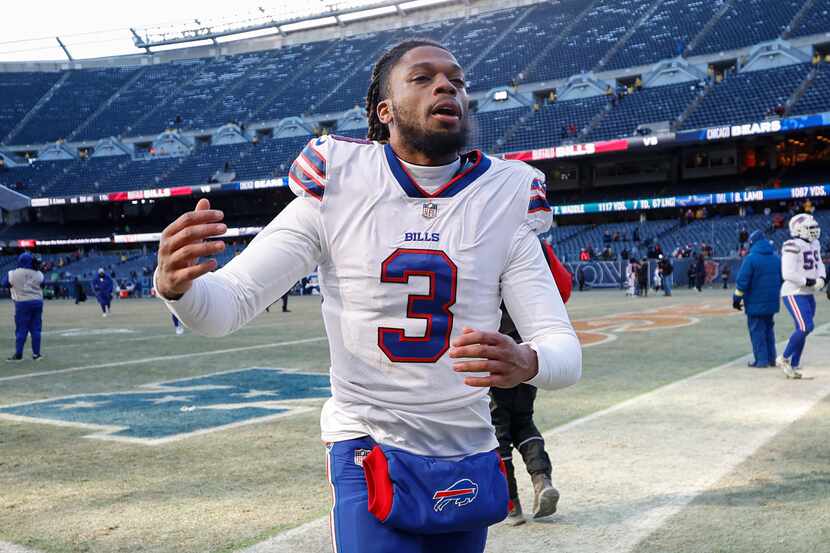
column 461, row 493
column 593, row 332
column 176, row 409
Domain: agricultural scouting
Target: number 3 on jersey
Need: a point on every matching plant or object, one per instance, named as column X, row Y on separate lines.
column 433, row 307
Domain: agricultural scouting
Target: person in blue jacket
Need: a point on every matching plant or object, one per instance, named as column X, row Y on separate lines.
column 758, row 288
column 25, row 283
column 102, row 286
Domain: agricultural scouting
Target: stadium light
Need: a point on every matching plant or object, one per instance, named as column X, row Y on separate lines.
column 500, row 95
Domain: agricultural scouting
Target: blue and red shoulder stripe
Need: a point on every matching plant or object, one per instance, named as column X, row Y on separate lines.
column 309, row 171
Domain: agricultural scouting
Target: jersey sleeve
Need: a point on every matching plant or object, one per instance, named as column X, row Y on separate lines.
column 307, row 176
column 822, row 270
column 792, row 263
column 536, row 307
column 539, row 213
column 282, row 253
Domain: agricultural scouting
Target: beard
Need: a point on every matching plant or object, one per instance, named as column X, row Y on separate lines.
column 433, row 144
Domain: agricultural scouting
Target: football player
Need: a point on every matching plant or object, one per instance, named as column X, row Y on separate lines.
column 804, row 274
column 417, row 244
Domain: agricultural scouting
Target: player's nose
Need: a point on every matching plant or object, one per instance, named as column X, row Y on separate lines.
column 444, row 86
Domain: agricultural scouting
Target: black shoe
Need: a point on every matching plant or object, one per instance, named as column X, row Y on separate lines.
column 37, row 357
column 15, row 358
column 286, row 311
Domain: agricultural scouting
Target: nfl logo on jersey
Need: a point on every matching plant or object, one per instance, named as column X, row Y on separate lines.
column 430, row 210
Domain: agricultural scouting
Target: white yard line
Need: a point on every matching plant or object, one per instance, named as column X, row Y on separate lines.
column 624, row 470
column 163, row 358
column 12, row 548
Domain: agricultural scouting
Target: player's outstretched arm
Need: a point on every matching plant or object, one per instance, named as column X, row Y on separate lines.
column 218, row 303
column 182, row 244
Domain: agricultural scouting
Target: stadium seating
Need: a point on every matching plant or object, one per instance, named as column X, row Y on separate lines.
column 20, row 92
column 590, row 39
column 548, row 126
column 311, row 86
column 748, row 22
column 665, row 34
column 498, row 48
column 491, row 126
column 532, row 35
column 153, row 87
column 650, row 105
column 816, row 20
column 194, row 95
column 272, row 71
column 747, row 97
column 78, row 98
column 816, row 98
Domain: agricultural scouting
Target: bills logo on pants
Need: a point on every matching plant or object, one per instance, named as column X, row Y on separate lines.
column 461, row 493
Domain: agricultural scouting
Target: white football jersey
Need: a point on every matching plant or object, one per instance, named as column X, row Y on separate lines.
column 800, row 260
column 403, row 271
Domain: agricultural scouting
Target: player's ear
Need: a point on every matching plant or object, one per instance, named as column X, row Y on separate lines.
column 384, row 110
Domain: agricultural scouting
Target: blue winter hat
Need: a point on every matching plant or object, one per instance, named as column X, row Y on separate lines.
column 756, row 236
column 25, row 261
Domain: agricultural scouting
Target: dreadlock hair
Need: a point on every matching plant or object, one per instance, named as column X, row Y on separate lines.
column 378, row 87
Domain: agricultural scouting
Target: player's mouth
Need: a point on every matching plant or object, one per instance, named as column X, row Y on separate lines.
column 446, row 111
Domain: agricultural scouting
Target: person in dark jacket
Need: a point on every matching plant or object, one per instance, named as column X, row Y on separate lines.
column 511, row 410
column 642, row 277
column 666, row 271
column 700, row 272
column 724, row 275
column 80, row 293
column 103, row 286
column 758, row 288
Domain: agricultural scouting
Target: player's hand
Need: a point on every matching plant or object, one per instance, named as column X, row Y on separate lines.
column 182, row 244
column 811, row 282
column 508, row 363
column 736, row 302
column 820, row 282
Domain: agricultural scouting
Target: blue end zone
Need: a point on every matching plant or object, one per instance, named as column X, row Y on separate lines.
column 178, row 408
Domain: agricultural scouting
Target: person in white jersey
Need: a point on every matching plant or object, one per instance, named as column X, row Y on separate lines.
column 804, row 275
column 417, row 245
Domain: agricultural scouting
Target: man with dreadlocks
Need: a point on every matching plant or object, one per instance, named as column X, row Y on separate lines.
column 417, row 245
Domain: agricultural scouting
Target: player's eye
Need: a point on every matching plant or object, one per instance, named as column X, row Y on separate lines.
column 420, row 78
column 459, row 83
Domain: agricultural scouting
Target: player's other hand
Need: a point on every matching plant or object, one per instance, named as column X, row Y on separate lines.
column 508, row 363
column 736, row 302
column 820, row 282
column 182, row 244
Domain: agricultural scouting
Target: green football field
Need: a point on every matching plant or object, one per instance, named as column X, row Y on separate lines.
column 127, row 437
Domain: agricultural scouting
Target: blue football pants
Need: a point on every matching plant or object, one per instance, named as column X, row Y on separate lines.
column 802, row 308
column 28, row 319
column 355, row 530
